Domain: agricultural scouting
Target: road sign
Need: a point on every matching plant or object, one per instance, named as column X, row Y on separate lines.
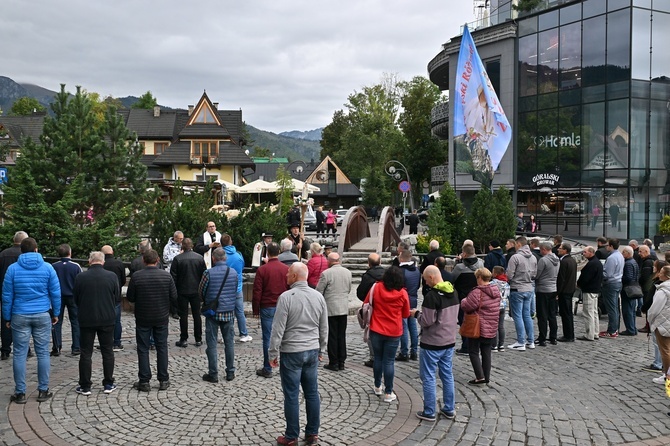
column 404, row 186
column 3, row 174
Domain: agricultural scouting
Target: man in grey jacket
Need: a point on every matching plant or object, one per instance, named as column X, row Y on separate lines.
column 299, row 332
column 335, row 286
column 545, row 291
column 521, row 273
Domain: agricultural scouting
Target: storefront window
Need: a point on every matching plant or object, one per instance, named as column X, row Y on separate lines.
column 548, row 141
column 618, row 46
column 617, row 133
column 593, row 136
column 528, row 65
column 638, row 137
column 569, row 145
column 593, row 48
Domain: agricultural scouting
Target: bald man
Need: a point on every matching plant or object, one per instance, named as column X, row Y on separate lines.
column 438, row 319
column 299, row 332
column 335, row 286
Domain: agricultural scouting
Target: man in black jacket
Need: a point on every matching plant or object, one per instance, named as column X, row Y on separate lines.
column 95, row 294
column 433, row 254
column 7, row 257
column 119, row 269
column 186, row 271
column 370, row 277
column 565, row 287
column 153, row 292
column 646, row 281
column 590, row 282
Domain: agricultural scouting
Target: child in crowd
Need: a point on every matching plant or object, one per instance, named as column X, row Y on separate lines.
column 500, row 280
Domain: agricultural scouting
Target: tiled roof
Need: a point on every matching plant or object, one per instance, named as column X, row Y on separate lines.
column 148, row 160
column 177, row 153
column 232, row 154
column 20, row 127
column 204, row 131
column 147, row 126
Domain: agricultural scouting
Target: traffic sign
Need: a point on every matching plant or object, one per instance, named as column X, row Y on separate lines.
column 404, row 186
column 3, row 174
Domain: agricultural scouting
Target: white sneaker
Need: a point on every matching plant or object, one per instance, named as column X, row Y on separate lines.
column 246, row 338
column 378, row 391
column 659, row 380
column 517, row 346
column 390, row 397
column 531, row 345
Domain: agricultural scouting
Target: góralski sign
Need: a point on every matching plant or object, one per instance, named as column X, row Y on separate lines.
column 546, row 179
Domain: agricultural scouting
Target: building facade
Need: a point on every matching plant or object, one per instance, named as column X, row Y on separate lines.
column 588, row 95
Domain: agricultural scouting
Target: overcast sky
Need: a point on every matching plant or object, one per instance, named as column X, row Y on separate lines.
column 288, row 64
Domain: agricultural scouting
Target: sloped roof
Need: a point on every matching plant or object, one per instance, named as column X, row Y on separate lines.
column 177, row 153
column 21, row 127
column 147, row 126
column 212, row 131
column 180, row 153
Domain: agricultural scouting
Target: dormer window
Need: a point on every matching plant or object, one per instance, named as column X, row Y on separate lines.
column 205, row 116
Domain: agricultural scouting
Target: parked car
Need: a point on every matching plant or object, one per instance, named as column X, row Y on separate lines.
column 340, row 215
column 310, row 220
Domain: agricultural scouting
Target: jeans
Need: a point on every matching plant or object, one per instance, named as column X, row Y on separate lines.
column 142, row 335
column 429, row 362
column 610, row 294
column 546, row 313
column 337, row 340
column 106, row 339
column 567, row 319
column 499, row 340
column 117, row 326
column 409, row 333
column 39, row 327
column 239, row 315
column 481, row 366
column 520, row 304
column 384, row 348
column 657, row 354
column 183, row 301
column 300, row 369
column 212, row 328
column 628, row 312
column 73, row 314
column 267, row 316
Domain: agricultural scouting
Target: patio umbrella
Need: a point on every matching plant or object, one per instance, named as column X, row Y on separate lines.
column 257, row 187
column 298, row 186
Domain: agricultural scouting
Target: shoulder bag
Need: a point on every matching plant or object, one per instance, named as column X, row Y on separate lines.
column 213, row 305
column 364, row 315
column 470, row 326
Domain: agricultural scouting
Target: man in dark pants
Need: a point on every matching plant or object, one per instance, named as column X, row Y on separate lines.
column 413, row 221
column 95, row 293
column 566, row 284
column 67, row 272
column 186, row 271
column 320, row 222
column 7, row 257
column 118, row 268
column 373, row 275
column 545, row 292
column 153, row 292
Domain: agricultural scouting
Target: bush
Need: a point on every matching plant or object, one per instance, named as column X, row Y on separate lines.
column 423, row 243
column 664, row 225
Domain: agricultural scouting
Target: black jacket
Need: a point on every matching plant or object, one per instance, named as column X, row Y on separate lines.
column 96, row 292
column 369, row 278
column 186, row 271
column 495, row 258
column 591, row 278
column 7, row 257
column 602, row 253
column 138, row 264
column 566, row 282
column 153, row 292
column 117, row 267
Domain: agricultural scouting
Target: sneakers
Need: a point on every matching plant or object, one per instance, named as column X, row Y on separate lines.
column 118, row 348
column 530, row 345
column 209, row 378
column 82, row 391
column 378, row 390
column 44, row 395
column 311, row 439
column 109, row 388
column 246, row 338
column 142, row 387
column 264, row 373
column 390, row 397
column 605, row 334
column 283, row 441
column 659, row 380
column 494, row 349
column 447, row 415
column 18, row 398
column 517, row 346
column 198, row 343
column 164, row 385
column 422, row 416
column 501, row 349
column 652, row 368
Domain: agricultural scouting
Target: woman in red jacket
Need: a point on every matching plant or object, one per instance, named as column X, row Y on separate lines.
column 390, row 304
column 484, row 299
column 317, row 264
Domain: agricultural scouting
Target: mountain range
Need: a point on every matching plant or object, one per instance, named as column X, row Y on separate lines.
column 294, row 144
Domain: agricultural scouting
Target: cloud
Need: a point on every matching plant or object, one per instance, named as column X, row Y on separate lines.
column 287, row 65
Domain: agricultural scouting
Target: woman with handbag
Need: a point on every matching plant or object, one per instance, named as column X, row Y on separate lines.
column 482, row 309
column 391, row 305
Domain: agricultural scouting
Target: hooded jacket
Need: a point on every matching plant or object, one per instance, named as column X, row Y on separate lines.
column 547, row 273
column 464, row 275
column 521, row 270
column 485, row 301
column 235, row 261
column 658, row 315
column 412, row 282
column 495, row 258
column 439, row 317
column 31, row 286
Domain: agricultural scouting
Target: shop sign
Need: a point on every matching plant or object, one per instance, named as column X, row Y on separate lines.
column 546, row 179
column 439, row 174
column 554, row 141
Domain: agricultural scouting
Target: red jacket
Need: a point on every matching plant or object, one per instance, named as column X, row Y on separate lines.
column 389, row 307
column 316, row 265
column 489, row 313
column 270, row 282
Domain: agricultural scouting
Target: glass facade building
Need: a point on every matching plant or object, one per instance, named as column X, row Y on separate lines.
column 591, row 117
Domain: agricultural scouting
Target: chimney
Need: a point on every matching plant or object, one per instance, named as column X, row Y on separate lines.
column 190, row 109
column 157, row 111
column 216, row 105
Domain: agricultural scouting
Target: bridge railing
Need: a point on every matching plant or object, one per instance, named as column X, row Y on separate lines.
column 387, row 235
column 355, row 228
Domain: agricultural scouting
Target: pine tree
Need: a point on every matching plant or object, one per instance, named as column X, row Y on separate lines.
column 447, row 218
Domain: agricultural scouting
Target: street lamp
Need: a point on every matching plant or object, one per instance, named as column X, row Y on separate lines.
column 395, row 169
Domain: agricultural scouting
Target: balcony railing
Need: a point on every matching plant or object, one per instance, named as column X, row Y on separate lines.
column 505, row 12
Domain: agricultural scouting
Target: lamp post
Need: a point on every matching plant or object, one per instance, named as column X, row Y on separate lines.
column 395, row 170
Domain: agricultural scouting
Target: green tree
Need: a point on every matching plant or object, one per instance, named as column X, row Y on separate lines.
column 447, row 218
column 526, row 5
column 376, row 189
column 481, row 221
column 25, row 106
column 503, row 214
column 285, row 191
column 146, row 101
column 82, row 183
column 261, row 152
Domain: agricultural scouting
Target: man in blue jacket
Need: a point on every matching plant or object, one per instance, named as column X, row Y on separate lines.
column 410, row 334
column 236, row 262
column 218, row 289
column 67, row 271
column 30, row 305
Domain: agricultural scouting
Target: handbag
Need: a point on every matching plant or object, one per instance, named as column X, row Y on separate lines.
column 633, row 291
column 364, row 316
column 470, row 326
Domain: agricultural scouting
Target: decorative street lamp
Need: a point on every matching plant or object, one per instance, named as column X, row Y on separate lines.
column 395, row 169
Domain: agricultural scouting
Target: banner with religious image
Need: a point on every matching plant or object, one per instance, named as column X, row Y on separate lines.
column 481, row 129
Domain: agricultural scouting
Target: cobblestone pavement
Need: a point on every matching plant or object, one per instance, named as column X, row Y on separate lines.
column 581, row 393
